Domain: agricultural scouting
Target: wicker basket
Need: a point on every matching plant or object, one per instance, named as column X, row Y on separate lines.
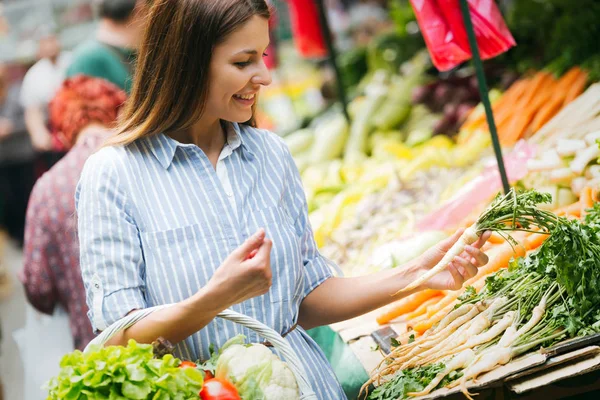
column 264, row 331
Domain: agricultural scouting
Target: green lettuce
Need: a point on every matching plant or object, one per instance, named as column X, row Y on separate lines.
column 117, row 372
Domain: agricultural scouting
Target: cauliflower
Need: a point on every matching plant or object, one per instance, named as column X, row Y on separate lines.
column 257, row 373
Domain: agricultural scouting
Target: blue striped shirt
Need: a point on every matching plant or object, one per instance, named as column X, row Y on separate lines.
column 155, row 221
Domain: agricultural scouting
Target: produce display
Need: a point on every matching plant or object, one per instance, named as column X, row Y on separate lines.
column 549, row 295
column 415, row 139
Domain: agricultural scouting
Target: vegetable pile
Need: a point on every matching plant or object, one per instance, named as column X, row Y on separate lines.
column 528, row 105
column 549, row 295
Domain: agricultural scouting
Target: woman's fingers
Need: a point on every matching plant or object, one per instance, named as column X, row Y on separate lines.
column 252, row 243
column 457, row 277
column 478, row 256
column 467, row 269
column 482, row 239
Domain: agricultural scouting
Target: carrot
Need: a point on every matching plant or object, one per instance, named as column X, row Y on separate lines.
column 576, row 88
column 535, row 240
column 569, row 78
column 422, row 309
column 517, row 89
column 496, row 239
column 546, row 113
column 586, row 200
column 526, row 109
column 572, row 209
column 406, row 305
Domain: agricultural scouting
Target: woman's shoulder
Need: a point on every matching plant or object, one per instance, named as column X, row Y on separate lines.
column 107, row 160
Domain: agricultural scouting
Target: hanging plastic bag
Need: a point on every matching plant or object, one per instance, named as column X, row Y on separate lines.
column 444, row 31
column 42, row 343
column 306, row 28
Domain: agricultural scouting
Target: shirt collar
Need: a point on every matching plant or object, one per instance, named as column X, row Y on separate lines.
column 164, row 147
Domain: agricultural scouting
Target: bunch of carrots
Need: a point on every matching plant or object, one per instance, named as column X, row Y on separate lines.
column 528, row 105
column 424, row 309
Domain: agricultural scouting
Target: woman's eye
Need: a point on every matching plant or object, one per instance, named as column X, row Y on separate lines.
column 243, row 64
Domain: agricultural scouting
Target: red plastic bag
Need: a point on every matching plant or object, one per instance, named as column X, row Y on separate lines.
column 306, row 29
column 444, row 31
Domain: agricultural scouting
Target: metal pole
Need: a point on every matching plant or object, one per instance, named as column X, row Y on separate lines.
column 333, row 57
column 483, row 91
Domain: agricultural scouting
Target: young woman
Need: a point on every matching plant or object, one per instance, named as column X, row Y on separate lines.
column 191, row 204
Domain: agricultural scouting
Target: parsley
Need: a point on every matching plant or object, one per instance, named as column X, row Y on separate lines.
column 410, row 380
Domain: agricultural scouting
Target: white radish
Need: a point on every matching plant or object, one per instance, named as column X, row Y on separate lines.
column 485, row 363
column 536, row 316
column 592, row 172
column 534, row 165
column 461, row 360
column 441, row 336
column 583, row 158
column 561, row 175
column 568, row 147
column 484, row 337
column 509, row 336
column 454, row 340
column 473, row 330
column 459, row 312
column 578, row 184
column 591, row 138
column 445, row 322
column 468, row 237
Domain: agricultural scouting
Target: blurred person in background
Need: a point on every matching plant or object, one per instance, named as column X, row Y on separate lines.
column 81, row 117
column 111, row 53
column 16, row 159
column 39, row 86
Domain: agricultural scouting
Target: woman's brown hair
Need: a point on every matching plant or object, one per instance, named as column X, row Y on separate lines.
column 170, row 85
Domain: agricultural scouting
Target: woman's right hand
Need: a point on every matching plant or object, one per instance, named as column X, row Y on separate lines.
column 245, row 273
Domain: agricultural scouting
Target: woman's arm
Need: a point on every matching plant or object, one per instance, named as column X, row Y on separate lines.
column 339, row 299
column 236, row 280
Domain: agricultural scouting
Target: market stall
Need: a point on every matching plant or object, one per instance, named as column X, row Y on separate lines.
column 406, row 163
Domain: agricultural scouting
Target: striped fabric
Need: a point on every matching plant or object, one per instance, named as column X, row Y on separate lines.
column 155, row 221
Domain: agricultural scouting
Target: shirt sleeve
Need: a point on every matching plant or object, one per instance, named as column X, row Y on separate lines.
column 40, row 251
column 111, row 258
column 316, row 268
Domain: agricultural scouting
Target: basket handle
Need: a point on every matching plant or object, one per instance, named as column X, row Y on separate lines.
column 264, row 331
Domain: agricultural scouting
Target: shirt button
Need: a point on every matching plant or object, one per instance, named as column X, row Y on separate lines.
column 229, row 194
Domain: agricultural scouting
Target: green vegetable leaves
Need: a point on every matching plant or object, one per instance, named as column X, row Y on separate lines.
column 411, row 380
column 117, row 372
column 517, row 210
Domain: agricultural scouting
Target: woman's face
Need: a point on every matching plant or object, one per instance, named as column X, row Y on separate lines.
column 237, row 72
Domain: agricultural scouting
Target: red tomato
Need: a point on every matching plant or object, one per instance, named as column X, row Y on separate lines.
column 208, row 375
column 219, row 389
column 187, row 364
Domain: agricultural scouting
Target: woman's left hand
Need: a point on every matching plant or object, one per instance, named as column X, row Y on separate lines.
column 461, row 269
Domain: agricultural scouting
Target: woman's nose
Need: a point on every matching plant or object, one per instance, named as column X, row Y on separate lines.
column 263, row 76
